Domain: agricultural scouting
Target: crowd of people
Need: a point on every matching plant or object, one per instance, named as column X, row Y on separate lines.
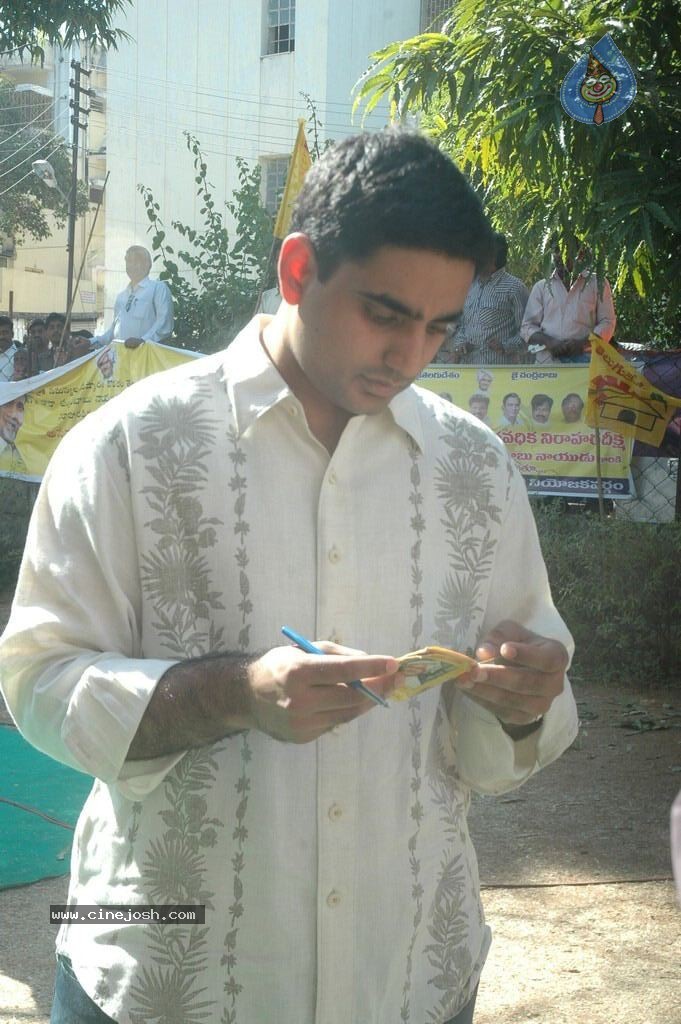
column 46, row 344
column 502, row 322
column 143, row 311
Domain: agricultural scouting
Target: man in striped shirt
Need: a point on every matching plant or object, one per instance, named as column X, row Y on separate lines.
column 489, row 330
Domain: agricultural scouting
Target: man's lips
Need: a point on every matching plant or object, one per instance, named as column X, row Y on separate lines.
column 382, row 387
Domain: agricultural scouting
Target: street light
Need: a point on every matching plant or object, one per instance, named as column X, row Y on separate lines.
column 44, row 170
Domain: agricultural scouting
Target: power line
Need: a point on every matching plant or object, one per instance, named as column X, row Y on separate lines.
column 274, row 101
column 27, row 175
column 43, row 145
column 28, row 124
column 30, row 141
column 53, row 124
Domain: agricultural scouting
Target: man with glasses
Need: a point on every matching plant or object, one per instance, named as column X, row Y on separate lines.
column 144, row 310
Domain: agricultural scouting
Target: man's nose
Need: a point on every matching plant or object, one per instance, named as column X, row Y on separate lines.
column 405, row 351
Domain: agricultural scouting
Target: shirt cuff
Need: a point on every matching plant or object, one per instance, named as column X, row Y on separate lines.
column 491, row 762
column 103, row 716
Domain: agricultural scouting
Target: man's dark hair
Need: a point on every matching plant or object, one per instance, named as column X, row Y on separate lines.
column 389, row 188
column 572, row 394
column 540, row 400
column 59, row 317
column 511, row 394
column 500, row 250
column 37, row 322
column 82, row 333
column 6, row 321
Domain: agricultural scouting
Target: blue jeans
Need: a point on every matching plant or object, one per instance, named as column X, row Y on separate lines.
column 72, row 1005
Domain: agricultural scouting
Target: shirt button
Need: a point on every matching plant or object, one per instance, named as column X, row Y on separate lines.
column 335, row 812
column 333, row 899
column 334, row 555
column 293, row 410
column 333, row 479
column 335, row 731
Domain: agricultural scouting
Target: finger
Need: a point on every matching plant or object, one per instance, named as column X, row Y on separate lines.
column 333, row 669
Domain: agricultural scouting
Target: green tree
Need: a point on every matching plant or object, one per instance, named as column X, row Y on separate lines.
column 27, row 25
column 210, row 312
column 24, row 200
column 489, row 90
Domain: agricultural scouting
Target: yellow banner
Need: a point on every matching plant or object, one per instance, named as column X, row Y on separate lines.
column 620, row 398
column 539, row 415
column 36, row 413
column 297, row 169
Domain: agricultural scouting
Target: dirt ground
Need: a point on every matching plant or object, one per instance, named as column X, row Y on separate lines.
column 576, row 880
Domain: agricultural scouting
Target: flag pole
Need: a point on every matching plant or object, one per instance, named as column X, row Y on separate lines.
column 67, row 322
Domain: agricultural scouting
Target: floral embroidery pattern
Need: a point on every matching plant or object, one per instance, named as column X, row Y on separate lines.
column 464, row 483
column 238, row 485
column 418, row 525
column 177, row 437
column 465, row 487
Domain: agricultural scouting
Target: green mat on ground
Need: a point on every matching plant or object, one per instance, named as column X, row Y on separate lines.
column 40, row 801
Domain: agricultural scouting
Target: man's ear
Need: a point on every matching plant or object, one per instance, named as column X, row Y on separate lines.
column 297, row 267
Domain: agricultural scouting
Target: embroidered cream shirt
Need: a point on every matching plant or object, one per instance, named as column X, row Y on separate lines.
column 197, row 513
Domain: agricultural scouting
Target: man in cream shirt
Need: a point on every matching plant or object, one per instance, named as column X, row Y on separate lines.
column 298, row 478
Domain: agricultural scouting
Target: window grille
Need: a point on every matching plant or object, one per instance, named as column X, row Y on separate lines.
column 434, row 14
column 275, row 168
column 281, row 26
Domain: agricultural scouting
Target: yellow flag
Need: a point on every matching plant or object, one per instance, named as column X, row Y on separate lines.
column 621, row 399
column 297, row 169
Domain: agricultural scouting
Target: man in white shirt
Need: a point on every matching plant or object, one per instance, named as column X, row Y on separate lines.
column 297, row 477
column 144, row 310
column 7, row 348
column 563, row 311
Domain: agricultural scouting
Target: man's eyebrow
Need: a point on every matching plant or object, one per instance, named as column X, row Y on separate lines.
column 396, row 306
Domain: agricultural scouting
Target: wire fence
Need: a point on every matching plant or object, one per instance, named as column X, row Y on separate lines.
column 655, row 471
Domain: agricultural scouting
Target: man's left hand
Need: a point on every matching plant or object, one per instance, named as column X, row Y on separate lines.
column 134, row 342
column 521, row 689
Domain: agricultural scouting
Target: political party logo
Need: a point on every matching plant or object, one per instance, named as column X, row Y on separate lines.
column 600, row 86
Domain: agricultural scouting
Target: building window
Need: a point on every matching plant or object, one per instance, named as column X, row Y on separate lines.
column 281, row 26
column 275, row 169
column 434, row 14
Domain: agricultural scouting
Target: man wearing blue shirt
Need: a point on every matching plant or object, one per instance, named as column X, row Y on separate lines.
column 144, row 310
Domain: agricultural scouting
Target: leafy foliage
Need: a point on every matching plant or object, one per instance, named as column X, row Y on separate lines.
column 616, row 583
column 26, row 26
column 489, row 89
column 211, row 312
column 25, row 200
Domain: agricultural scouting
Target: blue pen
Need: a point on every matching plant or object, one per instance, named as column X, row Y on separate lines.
column 310, row 648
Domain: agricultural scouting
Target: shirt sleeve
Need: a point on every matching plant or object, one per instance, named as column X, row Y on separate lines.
column 71, row 665
column 100, row 340
column 605, row 314
column 164, row 322
column 489, row 761
column 534, row 312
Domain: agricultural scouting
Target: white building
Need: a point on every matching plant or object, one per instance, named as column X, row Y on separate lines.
column 234, row 75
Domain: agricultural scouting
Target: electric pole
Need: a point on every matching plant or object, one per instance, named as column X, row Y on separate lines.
column 75, row 106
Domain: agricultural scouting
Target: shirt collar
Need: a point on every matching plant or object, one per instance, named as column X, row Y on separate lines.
column 255, row 385
column 253, row 382
column 140, row 284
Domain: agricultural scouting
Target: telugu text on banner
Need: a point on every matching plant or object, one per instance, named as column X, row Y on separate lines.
column 539, row 415
column 36, row 413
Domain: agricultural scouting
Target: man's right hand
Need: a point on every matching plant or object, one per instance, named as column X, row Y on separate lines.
column 296, row 697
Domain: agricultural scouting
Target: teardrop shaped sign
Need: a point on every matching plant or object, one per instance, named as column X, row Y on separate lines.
column 600, row 86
